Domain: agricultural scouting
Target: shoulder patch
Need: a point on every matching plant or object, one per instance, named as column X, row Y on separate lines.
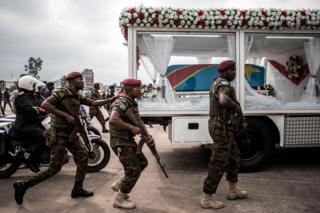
column 224, row 83
column 122, row 106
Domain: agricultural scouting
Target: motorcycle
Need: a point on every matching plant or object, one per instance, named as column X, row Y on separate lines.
column 13, row 154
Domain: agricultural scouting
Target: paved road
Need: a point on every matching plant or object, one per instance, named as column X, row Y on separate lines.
column 289, row 184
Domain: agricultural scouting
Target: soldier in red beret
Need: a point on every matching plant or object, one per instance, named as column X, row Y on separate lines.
column 122, row 132
column 64, row 106
column 94, row 111
column 224, row 110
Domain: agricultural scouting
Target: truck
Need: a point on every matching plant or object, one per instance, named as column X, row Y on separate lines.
column 277, row 55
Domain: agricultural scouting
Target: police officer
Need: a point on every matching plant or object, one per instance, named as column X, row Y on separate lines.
column 122, row 131
column 94, row 111
column 26, row 127
column 224, row 109
column 64, row 105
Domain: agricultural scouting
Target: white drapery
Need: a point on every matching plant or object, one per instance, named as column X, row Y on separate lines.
column 204, row 59
column 148, row 67
column 159, row 49
column 312, row 52
column 232, row 47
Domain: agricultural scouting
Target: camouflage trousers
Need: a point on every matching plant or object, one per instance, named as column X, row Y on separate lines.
column 96, row 112
column 225, row 156
column 58, row 153
column 133, row 164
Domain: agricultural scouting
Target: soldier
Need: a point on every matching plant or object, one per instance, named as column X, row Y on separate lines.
column 64, row 105
column 224, row 108
column 122, row 131
column 94, row 111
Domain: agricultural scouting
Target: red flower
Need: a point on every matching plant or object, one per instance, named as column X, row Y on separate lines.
column 264, row 13
column 303, row 13
column 224, row 22
column 284, row 13
column 141, row 15
column 155, row 21
column 132, row 10
column 157, row 11
column 266, row 23
column 132, row 21
column 177, row 22
column 200, row 13
column 244, row 22
column 222, row 12
column 243, row 13
column 303, row 22
column 202, row 22
column 284, row 24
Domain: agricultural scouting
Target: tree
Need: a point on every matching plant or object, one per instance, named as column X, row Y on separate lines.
column 33, row 67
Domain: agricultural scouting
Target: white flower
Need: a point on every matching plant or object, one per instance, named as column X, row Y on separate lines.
column 188, row 23
column 138, row 21
column 148, row 25
column 135, row 15
column 277, row 17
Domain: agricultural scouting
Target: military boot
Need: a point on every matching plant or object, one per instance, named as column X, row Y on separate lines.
column 235, row 193
column 120, row 201
column 206, row 202
column 79, row 191
column 20, row 188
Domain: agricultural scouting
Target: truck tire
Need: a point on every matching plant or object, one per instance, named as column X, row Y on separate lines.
column 256, row 143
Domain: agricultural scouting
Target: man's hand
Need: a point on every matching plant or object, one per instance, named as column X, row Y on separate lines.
column 70, row 119
column 135, row 130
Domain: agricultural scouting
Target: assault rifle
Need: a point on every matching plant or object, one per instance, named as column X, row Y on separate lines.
column 145, row 138
column 78, row 128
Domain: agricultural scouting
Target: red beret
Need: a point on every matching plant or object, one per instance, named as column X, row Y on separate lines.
column 131, row 82
column 226, row 65
column 72, row 75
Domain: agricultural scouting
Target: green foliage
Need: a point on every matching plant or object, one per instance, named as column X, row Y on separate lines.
column 33, row 67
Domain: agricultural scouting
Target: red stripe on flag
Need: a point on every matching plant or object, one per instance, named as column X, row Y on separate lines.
column 179, row 75
column 283, row 70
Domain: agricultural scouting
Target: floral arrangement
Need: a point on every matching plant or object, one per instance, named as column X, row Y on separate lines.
column 295, row 66
column 274, row 19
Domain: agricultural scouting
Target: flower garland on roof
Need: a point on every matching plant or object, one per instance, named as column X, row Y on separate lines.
column 264, row 19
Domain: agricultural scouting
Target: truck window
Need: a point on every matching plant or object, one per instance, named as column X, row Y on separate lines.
column 279, row 75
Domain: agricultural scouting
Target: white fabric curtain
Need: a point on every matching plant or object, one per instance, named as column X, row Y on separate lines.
column 232, row 47
column 148, row 67
column 204, row 59
column 159, row 49
column 312, row 52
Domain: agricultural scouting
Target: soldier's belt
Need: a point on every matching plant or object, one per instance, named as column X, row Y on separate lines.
column 219, row 118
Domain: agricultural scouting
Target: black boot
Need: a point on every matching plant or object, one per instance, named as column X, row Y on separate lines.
column 79, row 191
column 20, row 188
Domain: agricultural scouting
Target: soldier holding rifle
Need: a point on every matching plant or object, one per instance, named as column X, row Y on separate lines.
column 64, row 106
column 225, row 117
column 125, row 123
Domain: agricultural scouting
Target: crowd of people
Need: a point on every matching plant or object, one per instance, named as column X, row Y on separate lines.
column 125, row 123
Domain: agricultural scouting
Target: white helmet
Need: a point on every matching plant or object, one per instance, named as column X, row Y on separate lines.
column 27, row 82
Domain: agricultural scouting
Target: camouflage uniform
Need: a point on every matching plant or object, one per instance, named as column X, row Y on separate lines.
column 94, row 111
column 225, row 152
column 59, row 135
column 124, row 146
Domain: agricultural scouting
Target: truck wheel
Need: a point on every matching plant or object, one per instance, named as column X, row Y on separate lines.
column 255, row 144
